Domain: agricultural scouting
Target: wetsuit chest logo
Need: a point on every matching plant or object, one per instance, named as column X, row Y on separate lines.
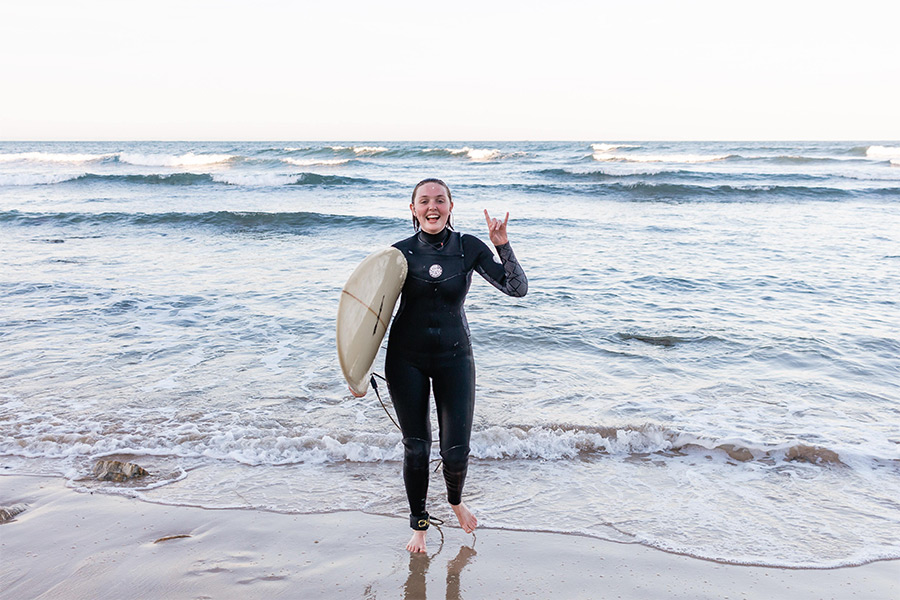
column 435, row 271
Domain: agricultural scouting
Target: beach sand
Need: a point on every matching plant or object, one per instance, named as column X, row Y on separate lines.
column 78, row 545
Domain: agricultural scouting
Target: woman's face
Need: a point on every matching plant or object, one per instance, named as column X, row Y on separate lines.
column 431, row 207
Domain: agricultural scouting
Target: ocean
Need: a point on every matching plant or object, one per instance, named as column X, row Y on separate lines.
column 707, row 361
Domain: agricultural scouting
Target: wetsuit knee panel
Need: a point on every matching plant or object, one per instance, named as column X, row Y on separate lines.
column 456, row 458
column 416, row 453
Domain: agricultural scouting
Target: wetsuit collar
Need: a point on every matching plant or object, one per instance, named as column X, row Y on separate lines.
column 436, row 240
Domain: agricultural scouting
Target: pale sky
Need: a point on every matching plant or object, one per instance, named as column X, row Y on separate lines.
column 461, row 70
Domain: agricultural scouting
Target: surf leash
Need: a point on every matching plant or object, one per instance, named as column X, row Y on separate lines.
column 374, row 385
column 437, row 524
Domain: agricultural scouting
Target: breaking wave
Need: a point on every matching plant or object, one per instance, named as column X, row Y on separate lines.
column 610, row 147
column 361, row 150
column 474, row 154
column 283, row 445
column 168, row 160
column 610, row 156
column 558, row 442
column 891, row 153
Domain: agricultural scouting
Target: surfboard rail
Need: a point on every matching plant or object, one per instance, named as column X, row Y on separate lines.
column 364, row 313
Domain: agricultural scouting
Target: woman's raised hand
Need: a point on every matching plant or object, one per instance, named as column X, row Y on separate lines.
column 497, row 229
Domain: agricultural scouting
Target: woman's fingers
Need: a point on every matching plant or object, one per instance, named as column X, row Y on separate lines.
column 496, row 228
column 495, row 223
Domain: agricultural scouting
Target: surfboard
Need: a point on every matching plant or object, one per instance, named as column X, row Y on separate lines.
column 364, row 311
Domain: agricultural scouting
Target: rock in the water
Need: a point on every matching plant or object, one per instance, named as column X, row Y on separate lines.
column 8, row 512
column 737, row 453
column 813, row 454
column 116, row 470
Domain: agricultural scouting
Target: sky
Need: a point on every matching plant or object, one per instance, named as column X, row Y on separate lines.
column 462, row 70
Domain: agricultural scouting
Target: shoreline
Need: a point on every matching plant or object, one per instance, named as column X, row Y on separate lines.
column 70, row 544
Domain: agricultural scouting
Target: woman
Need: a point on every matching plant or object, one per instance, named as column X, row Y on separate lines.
column 429, row 345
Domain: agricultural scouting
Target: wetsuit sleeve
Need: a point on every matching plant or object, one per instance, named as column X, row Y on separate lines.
column 508, row 276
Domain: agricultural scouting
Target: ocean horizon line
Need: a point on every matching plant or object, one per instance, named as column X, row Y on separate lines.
column 453, row 140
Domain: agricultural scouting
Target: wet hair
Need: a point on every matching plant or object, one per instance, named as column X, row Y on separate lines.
column 416, row 189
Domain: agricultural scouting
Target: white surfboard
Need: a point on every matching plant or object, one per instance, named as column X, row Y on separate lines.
column 367, row 302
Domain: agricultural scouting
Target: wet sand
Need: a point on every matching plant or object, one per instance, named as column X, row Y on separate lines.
column 77, row 545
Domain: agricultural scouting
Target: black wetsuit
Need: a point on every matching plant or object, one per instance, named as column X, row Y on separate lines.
column 429, row 343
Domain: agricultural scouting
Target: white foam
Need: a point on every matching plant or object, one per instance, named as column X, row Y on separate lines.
column 610, row 147
column 557, row 443
column 891, row 153
column 482, row 153
column 261, row 445
column 169, row 160
column 360, row 149
column 654, row 158
column 314, row 447
column 49, row 157
column 169, row 383
column 313, row 162
column 476, row 154
column 273, row 361
column 369, row 149
column 255, row 447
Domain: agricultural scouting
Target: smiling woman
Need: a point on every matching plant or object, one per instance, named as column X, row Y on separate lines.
column 432, row 207
column 429, row 350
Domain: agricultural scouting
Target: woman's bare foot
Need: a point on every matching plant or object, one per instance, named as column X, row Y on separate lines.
column 417, row 542
column 466, row 519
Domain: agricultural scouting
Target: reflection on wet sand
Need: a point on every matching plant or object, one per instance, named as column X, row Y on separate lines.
column 418, row 569
column 454, row 568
